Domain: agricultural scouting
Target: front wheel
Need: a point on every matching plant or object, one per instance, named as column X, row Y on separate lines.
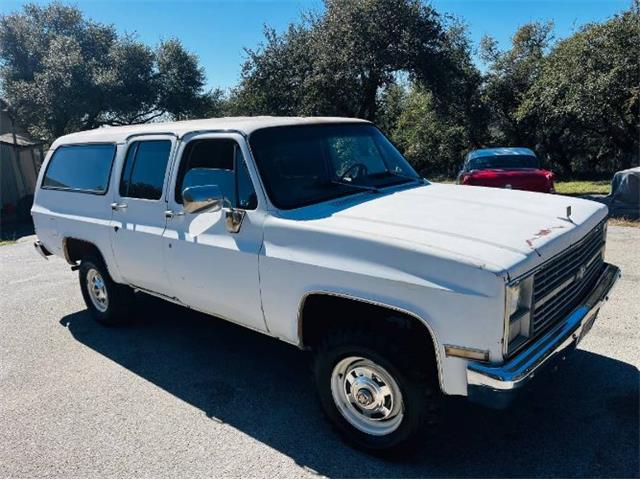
column 107, row 301
column 376, row 393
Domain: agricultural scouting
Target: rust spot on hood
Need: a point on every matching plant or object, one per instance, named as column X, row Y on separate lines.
column 543, row 232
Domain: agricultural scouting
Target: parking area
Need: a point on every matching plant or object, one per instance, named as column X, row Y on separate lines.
column 179, row 394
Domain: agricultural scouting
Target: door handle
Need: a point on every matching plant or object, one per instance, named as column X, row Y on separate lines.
column 118, row 206
column 171, row 214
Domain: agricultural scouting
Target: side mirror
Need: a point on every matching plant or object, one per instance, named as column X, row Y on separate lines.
column 203, row 198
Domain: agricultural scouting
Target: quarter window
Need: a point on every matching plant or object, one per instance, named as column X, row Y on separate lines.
column 80, row 167
column 144, row 169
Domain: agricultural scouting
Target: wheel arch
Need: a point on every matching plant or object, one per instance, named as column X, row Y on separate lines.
column 74, row 249
column 302, row 327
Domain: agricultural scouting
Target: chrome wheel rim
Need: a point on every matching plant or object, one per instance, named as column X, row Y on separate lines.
column 97, row 290
column 367, row 396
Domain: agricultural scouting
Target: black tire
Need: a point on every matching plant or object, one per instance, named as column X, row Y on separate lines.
column 413, row 371
column 119, row 297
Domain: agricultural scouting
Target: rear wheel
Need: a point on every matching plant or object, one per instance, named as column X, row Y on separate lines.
column 376, row 391
column 108, row 302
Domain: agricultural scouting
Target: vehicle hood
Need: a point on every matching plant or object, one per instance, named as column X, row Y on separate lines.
column 505, row 231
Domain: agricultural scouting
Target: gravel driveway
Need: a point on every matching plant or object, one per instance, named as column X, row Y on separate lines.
column 180, row 394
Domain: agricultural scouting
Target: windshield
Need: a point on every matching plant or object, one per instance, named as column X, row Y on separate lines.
column 305, row 164
column 504, row 161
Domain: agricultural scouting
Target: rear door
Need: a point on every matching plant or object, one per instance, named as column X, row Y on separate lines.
column 139, row 205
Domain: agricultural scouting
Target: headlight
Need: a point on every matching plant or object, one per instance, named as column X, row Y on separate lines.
column 518, row 312
column 513, row 298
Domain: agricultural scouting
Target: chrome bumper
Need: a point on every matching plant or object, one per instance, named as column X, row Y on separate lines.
column 495, row 385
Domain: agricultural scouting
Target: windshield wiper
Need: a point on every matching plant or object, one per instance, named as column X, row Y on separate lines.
column 363, row 188
column 408, row 177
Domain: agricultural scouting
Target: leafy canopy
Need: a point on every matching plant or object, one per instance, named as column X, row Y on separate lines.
column 63, row 72
column 338, row 62
column 586, row 97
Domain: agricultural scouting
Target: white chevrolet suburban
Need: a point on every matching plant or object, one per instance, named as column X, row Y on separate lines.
column 318, row 232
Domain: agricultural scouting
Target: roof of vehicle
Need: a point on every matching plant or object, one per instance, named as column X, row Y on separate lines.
column 494, row 152
column 244, row 125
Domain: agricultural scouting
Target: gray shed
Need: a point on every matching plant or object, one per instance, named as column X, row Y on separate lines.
column 20, row 160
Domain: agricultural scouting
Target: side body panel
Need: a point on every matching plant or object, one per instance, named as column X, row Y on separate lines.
column 458, row 303
column 61, row 214
column 137, row 228
column 209, row 268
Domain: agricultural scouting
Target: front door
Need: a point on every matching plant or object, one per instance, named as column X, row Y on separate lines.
column 211, row 267
column 139, row 205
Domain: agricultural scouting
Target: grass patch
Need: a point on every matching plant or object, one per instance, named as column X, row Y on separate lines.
column 571, row 187
column 580, row 187
column 6, row 242
column 442, row 179
column 624, row 222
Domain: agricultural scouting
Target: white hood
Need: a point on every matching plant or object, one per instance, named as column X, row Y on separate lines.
column 505, row 231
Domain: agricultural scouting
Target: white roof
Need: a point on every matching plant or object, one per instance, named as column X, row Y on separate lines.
column 245, row 125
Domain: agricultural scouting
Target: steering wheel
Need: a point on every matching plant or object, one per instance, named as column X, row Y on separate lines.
column 358, row 169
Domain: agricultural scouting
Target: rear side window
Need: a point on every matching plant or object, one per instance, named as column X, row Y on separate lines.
column 144, row 169
column 84, row 168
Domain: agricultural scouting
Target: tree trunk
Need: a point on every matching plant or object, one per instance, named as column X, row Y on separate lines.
column 369, row 106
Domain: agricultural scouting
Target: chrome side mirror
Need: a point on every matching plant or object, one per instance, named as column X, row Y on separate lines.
column 203, row 198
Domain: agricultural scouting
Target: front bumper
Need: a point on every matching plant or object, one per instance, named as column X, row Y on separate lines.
column 495, row 385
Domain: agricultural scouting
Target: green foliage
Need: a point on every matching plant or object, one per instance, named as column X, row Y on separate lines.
column 274, row 77
column 392, row 103
column 585, row 102
column 393, row 61
column 434, row 142
column 510, row 76
column 63, row 73
column 337, row 63
column 180, row 80
column 397, row 62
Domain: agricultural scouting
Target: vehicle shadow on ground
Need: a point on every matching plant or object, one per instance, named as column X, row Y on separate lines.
column 583, row 421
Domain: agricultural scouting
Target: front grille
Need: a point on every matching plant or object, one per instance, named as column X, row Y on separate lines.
column 561, row 284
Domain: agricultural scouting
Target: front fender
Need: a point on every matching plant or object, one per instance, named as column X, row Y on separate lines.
column 460, row 304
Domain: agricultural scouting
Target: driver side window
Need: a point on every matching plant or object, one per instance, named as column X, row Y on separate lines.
column 217, row 162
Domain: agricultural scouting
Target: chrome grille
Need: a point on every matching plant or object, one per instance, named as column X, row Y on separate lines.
column 560, row 285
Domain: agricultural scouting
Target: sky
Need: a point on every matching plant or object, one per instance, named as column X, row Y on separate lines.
column 219, row 30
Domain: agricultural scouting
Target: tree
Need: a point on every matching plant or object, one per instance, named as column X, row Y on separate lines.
column 433, row 141
column 62, row 73
column 436, row 131
column 180, row 81
column 274, row 77
column 587, row 96
column 339, row 62
column 510, row 76
column 391, row 104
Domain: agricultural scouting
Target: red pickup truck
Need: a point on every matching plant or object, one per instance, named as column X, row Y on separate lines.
column 516, row 168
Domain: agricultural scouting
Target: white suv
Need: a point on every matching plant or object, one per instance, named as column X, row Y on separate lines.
column 318, row 232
